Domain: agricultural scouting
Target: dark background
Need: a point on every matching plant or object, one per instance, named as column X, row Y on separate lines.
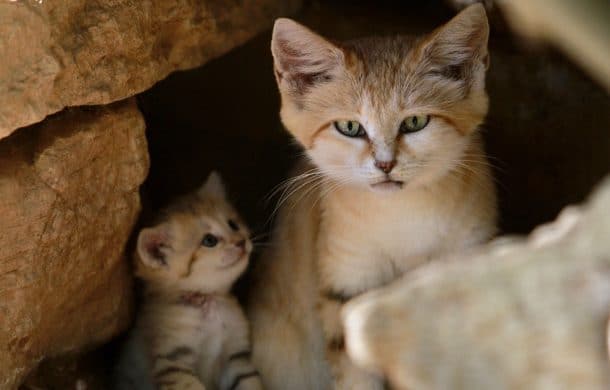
column 546, row 132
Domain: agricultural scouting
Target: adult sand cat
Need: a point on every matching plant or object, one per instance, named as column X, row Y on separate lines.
column 397, row 176
column 190, row 332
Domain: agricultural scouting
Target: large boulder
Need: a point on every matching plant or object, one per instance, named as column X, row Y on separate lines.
column 68, row 202
column 85, row 52
column 521, row 314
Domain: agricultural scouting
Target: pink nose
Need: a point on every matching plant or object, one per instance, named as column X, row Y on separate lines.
column 385, row 166
column 241, row 244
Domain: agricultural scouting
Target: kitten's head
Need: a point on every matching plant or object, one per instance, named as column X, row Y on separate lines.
column 384, row 113
column 200, row 243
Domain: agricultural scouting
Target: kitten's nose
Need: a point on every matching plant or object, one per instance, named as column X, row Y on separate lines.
column 241, row 244
column 385, row 166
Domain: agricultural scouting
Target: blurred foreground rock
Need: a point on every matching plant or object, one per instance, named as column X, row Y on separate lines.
column 68, row 201
column 521, row 314
column 84, row 52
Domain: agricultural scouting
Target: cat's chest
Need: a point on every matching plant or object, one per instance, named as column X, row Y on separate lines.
column 362, row 250
column 398, row 234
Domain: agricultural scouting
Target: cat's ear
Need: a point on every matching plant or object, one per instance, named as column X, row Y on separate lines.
column 153, row 246
column 213, row 186
column 301, row 57
column 459, row 48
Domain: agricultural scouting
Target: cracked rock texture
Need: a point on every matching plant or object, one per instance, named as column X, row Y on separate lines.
column 68, row 201
column 86, row 52
column 526, row 314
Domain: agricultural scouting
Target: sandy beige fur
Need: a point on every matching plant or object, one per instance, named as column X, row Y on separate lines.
column 190, row 332
column 349, row 226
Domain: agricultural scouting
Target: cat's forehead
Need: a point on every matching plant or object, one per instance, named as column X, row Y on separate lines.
column 382, row 59
column 381, row 53
column 381, row 73
column 389, row 75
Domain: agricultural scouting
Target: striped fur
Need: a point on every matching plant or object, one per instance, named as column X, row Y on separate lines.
column 190, row 332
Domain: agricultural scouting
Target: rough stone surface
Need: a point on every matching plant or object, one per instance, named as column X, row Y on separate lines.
column 68, row 201
column 84, row 52
column 523, row 314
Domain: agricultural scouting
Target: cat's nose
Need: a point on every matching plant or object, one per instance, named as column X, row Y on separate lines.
column 385, row 166
column 241, row 244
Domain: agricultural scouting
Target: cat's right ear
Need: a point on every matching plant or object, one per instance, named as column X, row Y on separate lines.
column 301, row 57
column 154, row 245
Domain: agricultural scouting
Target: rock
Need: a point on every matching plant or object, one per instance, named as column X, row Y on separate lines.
column 521, row 314
column 86, row 52
column 68, row 202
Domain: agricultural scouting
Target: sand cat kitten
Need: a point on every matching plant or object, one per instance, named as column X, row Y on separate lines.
column 397, row 175
column 191, row 333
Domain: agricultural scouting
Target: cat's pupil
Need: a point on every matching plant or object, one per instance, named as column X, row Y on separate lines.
column 349, row 126
column 209, row 240
column 233, row 225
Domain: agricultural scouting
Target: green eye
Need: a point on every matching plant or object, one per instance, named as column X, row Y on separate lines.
column 414, row 123
column 349, row 128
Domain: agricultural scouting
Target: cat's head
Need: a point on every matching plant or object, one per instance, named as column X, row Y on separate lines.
column 384, row 113
column 200, row 243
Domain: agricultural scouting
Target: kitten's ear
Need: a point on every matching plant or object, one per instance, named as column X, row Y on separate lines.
column 301, row 57
column 459, row 48
column 213, row 186
column 154, row 246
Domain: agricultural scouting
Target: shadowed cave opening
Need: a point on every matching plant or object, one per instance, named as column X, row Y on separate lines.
column 546, row 131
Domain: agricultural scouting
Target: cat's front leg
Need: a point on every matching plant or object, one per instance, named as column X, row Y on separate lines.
column 346, row 376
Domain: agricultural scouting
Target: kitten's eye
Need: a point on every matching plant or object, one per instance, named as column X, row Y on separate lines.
column 209, row 240
column 349, row 128
column 414, row 123
column 233, row 225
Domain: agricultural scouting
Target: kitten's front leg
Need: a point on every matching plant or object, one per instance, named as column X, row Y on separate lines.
column 239, row 373
column 173, row 370
column 177, row 378
column 346, row 376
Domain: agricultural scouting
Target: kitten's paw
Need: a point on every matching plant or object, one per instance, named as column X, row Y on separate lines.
column 251, row 383
column 182, row 383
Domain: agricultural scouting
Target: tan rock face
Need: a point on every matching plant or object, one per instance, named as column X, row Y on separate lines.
column 82, row 52
column 519, row 315
column 68, row 201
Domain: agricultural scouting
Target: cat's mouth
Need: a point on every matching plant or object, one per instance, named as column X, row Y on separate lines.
column 388, row 185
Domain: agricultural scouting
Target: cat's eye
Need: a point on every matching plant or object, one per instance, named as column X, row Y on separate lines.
column 209, row 240
column 349, row 128
column 233, row 225
column 414, row 123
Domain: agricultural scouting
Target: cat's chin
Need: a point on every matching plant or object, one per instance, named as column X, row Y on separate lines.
column 387, row 186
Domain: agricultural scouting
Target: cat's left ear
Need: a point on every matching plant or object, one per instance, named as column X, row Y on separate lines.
column 459, row 48
column 213, row 186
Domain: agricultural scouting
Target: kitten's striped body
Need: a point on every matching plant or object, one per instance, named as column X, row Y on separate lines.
column 181, row 345
column 191, row 332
